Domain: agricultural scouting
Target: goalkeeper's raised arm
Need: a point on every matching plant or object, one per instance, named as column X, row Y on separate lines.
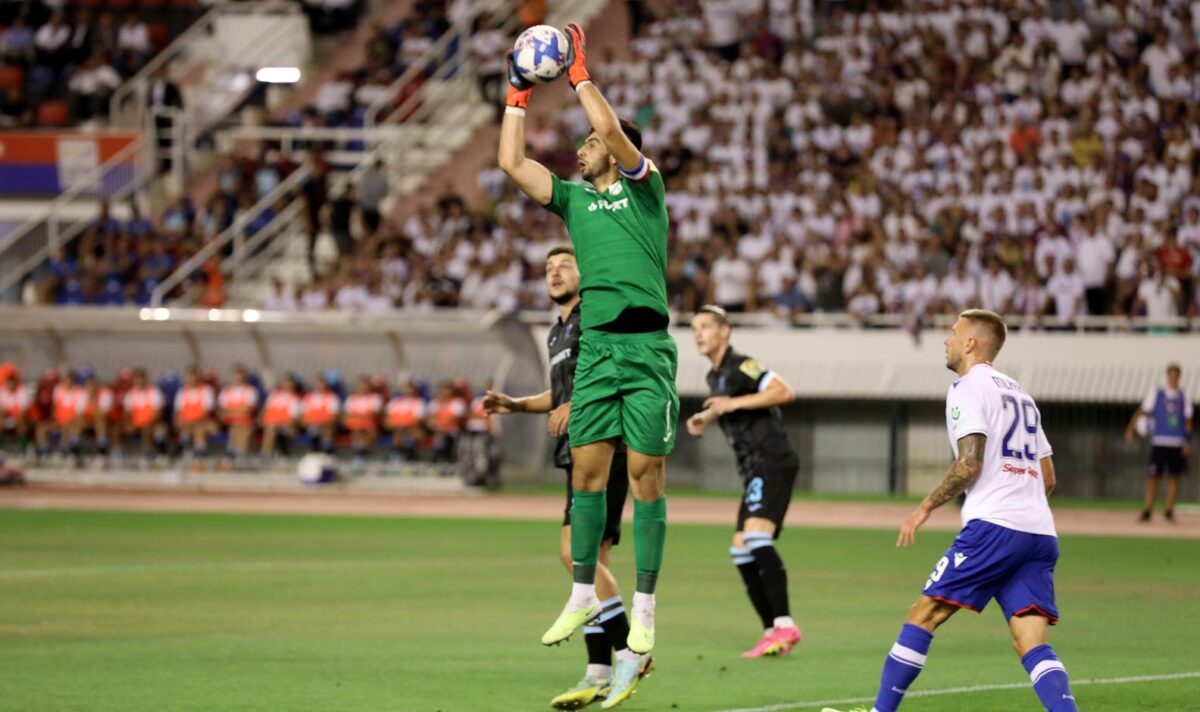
column 600, row 114
column 531, row 177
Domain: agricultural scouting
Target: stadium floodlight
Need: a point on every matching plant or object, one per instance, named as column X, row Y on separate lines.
column 250, row 316
column 278, row 75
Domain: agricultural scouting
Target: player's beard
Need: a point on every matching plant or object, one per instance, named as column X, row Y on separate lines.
column 563, row 298
column 952, row 362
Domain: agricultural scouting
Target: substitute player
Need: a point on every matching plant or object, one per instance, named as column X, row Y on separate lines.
column 609, row 630
column 143, row 412
column 1008, row 547
column 1171, row 411
column 745, row 403
column 627, row 361
column 237, row 404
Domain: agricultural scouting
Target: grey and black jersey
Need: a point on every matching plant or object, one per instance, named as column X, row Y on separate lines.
column 757, row 436
column 563, row 345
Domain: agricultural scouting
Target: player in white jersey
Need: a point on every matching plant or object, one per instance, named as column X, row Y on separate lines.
column 1007, row 548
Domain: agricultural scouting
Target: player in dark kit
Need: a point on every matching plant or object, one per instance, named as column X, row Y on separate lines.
column 608, row 631
column 745, row 403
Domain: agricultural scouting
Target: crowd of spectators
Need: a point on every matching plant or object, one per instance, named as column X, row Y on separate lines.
column 120, row 261
column 61, row 62
column 1037, row 158
column 1027, row 156
column 73, row 415
column 60, row 65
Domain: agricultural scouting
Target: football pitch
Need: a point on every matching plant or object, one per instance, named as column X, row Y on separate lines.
column 141, row 611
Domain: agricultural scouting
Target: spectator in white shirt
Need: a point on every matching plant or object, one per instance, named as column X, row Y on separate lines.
column 1158, row 59
column 731, row 277
column 91, row 86
column 1066, row 291
column 958, row 289
column 133, row 41
column 1158, row 295
column 1070, row 36
column 280, row 298
column 50, row 41
column 1096, row 256
column 996, row 287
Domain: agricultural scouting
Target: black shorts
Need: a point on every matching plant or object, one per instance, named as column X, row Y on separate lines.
column 1167, row 461
column 618, row 487
column 767, row 496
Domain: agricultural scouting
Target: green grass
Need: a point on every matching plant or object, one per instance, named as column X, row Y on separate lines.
column 132, row 612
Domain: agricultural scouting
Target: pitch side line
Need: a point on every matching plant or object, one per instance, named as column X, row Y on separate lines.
column 972, row 688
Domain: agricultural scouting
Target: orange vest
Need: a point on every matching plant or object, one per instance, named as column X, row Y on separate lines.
column 143, row 405
column 14, row 402
column 447, row 416
column 102, row 403
column 280, row 408
column 478, row 421
column 362, row 411
column 68, row 403
column 405, row 412
column 194, row 404
column 320, row 408
column 238, row 398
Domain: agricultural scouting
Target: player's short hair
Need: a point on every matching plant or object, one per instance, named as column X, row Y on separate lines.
column 992, row 321
column 560, row 250
column 1174, row 367
column 631, row 131
column 717, row 313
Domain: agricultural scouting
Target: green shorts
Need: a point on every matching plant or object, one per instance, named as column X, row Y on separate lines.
column 625, row 387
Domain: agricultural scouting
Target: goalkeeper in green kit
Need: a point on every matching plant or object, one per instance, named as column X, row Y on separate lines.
column 625, row 377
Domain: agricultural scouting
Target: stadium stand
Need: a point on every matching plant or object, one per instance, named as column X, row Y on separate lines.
column 910, row 161
column 1035, row 158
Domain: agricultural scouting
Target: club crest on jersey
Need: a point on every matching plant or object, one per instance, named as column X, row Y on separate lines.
column 751, row 368
column 955, row 413
column 615, row 188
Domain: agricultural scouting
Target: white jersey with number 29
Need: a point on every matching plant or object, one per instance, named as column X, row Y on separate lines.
column 1010, row 491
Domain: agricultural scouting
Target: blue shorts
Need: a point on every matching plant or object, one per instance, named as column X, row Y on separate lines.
column 990, row 561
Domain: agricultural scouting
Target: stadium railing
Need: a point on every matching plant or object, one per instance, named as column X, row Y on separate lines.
column 125, row 174
column 247, row 253
column 225, row 47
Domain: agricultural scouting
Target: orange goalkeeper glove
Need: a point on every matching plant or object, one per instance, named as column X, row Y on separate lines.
column 577, row 71
column 519, row 88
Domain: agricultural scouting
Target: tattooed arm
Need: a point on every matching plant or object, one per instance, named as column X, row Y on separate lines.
column 959, row 477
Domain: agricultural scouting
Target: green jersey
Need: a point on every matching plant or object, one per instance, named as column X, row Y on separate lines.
column 620, row 241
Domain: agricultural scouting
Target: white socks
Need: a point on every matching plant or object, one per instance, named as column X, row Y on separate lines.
column 604, row 671
column 628, row 656
column 643, row 608
column 784, row 622
column 582, row 596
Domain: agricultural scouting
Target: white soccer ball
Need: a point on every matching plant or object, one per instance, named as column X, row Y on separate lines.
column 540, row 53
column 1143, row 426
column 316, row 468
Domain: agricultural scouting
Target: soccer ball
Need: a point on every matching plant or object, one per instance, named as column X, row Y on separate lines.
column 540, row 53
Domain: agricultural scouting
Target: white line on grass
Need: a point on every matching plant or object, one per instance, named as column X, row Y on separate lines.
column 264, row 566
column 972, row 688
